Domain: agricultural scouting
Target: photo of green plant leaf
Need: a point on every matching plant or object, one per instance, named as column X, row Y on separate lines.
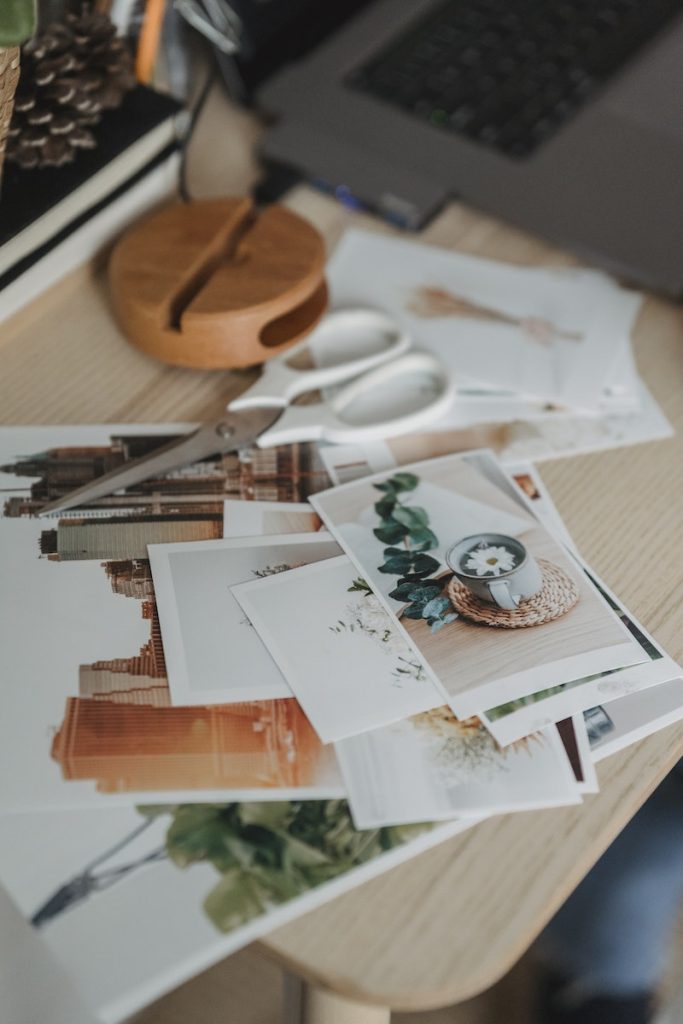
column 410, row 526
column 268, row 853
column 265, row 854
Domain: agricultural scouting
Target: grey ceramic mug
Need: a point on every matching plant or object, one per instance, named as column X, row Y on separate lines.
column 496, row 568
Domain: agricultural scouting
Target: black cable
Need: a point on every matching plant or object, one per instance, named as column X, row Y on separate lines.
column 277, row 180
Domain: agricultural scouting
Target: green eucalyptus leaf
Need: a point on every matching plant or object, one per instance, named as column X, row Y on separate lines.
column 413, row 517
column 396, row 564
column 387, row 487
column 422, row 539
column 439, row 623
column 436, row 606
column 405, row 481
column 426, row 590
column 425, row 563
column 403, row 592
column 413, row 611
column 390, row 533
column 385, row 506
column 416, row 577
column 417, row 596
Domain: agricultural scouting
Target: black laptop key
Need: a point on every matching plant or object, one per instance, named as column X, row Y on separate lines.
column 509, row 73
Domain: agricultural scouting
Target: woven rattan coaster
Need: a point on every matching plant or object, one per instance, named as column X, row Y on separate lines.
column 557, row 595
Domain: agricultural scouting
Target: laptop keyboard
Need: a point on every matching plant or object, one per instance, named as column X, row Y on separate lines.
column 508, row 73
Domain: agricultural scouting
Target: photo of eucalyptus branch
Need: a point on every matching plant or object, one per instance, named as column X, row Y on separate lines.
column 423, row 534
column 409, row 524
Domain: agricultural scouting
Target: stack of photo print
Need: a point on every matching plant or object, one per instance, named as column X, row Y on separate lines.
column 237, row 691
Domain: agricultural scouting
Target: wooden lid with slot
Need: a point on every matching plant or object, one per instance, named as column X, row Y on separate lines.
column 214, row 284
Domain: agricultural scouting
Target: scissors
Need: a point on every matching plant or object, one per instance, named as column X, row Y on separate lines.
column 390, row 391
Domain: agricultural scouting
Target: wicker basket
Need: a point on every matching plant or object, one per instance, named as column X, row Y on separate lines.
column 9, row 76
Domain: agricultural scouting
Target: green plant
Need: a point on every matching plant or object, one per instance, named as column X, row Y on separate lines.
column 268, row 853
column 360, row 585
column 265, row 854
column 366, row 616
column 17, row 22
column 409, row 524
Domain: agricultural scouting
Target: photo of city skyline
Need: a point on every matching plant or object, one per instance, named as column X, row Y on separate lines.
column 118, row 732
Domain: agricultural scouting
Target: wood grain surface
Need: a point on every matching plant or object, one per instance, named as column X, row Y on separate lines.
column 231, row 287
column 449, row 923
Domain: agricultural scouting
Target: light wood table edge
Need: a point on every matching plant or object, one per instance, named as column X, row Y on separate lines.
column 326, row 981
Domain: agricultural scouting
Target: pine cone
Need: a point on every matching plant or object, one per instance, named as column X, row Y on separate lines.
column 70, row 74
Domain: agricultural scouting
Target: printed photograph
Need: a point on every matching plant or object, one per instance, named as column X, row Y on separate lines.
column 488, row 599
column 89, row 720
column 436, row 767
column 213, row 653
column 171, row 890
column 574, row 735
column 548, row 437
column 516, row 718
column 338, row 648
column 347, row 462
column 533, row 331
column 633, row 717
column 526, row 477
column 261, row 518
column 598, row 724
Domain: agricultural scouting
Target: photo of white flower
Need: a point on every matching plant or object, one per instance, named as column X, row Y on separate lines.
column 489, row 561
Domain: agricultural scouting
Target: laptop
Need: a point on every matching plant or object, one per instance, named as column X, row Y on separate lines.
column 564, row 117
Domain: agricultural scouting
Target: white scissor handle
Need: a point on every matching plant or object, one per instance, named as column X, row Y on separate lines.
column 345, row 343
column 335, row 421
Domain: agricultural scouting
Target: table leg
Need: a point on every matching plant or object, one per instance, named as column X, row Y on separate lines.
column 306, row 1004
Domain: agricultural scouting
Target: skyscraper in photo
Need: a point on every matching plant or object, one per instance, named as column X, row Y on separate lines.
column 129, row 748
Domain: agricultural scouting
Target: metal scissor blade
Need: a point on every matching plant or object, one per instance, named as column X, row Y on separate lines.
column 233, row 431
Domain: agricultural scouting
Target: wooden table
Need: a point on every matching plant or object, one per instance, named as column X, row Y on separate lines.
column 449, row 923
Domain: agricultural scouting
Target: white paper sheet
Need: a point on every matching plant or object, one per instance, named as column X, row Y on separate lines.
column 347, row 665
column 549, row 333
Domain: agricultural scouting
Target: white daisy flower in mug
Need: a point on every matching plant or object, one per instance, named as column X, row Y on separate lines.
column 490, row 561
